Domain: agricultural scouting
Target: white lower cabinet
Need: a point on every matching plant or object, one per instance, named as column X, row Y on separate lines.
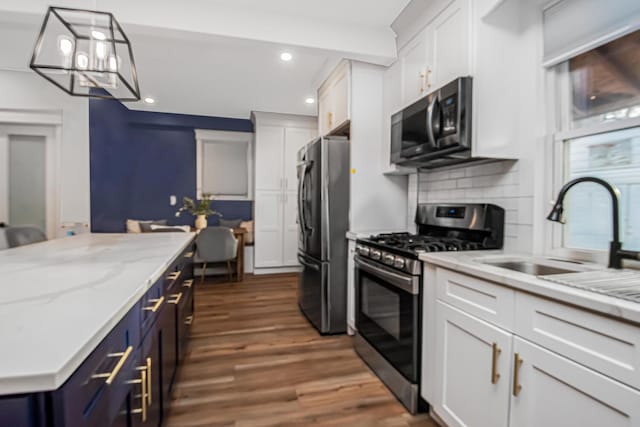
column 269, row 229
column 472, row 370
column 290, row 214
column 556, row 392
column 485, row 375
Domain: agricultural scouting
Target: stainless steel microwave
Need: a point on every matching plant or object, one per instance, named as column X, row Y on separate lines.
column 434, row 131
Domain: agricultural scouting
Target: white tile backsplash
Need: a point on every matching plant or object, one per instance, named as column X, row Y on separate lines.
column 499, row 183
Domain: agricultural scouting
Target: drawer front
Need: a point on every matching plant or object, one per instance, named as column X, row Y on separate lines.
column 184, row 319
column 485, row 300
column 606, row 345
column 180, row 270
column 100, row 383
column 23, row 411
column 150, row 306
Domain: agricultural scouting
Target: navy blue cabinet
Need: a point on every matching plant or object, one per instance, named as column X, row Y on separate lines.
column 126, row 380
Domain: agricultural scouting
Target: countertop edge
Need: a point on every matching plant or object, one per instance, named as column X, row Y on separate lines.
column 602, row 304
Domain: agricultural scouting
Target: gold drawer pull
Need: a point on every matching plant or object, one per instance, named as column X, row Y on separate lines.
column 149, row 382
column 517, row 363
column 174, row 276
column 187, row 283
column 495, row 376
column 111, row 376
column 158, row 302
column 188, row 320
column 177, row 298
column 188, row 255
column 143, row 381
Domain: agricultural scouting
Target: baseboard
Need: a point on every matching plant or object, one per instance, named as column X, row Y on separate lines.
column 276, row 270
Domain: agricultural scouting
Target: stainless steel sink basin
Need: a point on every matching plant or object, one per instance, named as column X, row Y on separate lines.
column 528, row 267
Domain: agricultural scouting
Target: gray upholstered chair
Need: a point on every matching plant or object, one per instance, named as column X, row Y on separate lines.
column 215, row 245
column 20, row 236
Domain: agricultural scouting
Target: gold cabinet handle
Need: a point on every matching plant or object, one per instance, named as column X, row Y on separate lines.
column 427, row 78
column 143, row 394
column 149, row 382
column 157, row 303
column 187, row 283
column 188, row 255
column 111, row 376
column 422, row 76
column 495, row 376
column 177, row 298
column 188, row 320
column 517, row 363
column 329, row 119
column 174, row 276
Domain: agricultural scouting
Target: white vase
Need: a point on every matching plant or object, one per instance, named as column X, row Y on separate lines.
column 201, row 222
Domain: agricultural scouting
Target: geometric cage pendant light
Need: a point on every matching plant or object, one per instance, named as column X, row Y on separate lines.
column 86, row 53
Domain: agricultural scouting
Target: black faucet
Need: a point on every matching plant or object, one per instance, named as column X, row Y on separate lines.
column 616, row 253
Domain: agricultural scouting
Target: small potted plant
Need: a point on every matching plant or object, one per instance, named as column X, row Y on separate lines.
column 200, row 210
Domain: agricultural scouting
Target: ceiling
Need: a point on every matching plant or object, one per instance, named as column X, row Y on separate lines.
column 221, row 57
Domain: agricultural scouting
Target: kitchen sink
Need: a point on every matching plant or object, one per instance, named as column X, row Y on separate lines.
column 529, row 267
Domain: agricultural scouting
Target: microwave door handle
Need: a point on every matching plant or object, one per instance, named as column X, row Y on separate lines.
column 430, row 113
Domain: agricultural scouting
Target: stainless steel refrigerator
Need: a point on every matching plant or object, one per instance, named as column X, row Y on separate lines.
column 323, row 220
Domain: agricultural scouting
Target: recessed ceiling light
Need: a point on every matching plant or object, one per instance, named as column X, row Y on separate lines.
column 309, row 100
column 286, row 56
column 149, row 100
column 592, row 97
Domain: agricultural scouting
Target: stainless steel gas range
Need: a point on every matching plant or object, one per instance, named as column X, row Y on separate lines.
column 389, row 283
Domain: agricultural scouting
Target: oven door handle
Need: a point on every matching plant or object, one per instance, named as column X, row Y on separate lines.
column 405, row 282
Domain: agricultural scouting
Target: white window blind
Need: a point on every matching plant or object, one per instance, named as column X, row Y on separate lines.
column 224, row 164
column 572, row 27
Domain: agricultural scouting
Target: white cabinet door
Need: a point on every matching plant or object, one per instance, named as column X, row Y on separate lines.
column 351, row 287
column 324, row 112
column 556, row 392
column 340, row 98
column 413, row 58
column 467, row 391
column 294, row 140
column 449, row 36
column 269, row 158
column 268, row 235
column 290, row 243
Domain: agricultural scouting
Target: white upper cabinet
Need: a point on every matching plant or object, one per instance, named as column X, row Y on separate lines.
column 334, row 100
column 415, row 59
column 448, row 37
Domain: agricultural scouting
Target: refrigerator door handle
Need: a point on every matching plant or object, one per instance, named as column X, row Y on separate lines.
column 304, row 262
column 302, row 167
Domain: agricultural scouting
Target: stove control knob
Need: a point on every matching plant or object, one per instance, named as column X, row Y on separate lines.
column 398, row 262
column 388, row 259
column 375, row 254
column 363, row 250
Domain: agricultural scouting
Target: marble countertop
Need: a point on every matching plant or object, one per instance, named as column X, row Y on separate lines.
column 471, row 263
column 59, row 299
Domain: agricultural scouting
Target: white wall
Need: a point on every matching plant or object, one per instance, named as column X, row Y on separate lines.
column 24, row 90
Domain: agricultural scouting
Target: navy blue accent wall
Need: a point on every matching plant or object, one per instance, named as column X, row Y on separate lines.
column 138, row 159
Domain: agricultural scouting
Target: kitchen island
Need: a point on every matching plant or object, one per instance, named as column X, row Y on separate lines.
column 93, row 327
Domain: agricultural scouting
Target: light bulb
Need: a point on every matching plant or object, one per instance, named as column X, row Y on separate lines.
column 286, row 56
column 98, row 35
column 82, row 60
column 113, row 63
column 309, row 100
column 101, row 50
column 66, row 45
column 149, row 100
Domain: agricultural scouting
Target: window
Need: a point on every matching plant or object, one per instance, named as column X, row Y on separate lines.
column 224, row 164
column 600, row 136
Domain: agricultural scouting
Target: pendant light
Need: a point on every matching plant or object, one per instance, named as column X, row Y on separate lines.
column 86, row 53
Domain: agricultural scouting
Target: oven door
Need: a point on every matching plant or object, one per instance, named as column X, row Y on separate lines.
column 388, row 314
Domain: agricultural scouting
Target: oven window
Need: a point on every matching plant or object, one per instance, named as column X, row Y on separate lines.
column 381, row 306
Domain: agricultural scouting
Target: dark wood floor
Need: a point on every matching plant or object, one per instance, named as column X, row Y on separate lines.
column 255, row 361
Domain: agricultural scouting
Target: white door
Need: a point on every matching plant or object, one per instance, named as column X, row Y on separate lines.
column 413, row 57
column 269, row 147
column 28, row 177
column 340, row 98
column 325, row 115
column 290, row 243
column 268, row 229
column 473, row 370
column 449, row 36
column 294, row 140
column 556, row 392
